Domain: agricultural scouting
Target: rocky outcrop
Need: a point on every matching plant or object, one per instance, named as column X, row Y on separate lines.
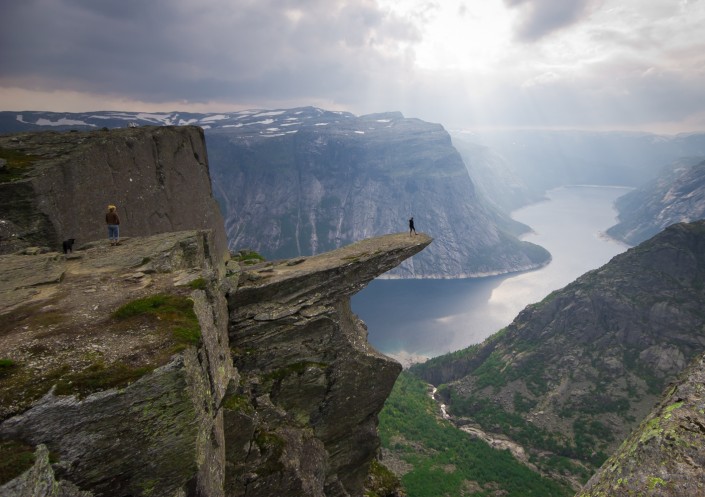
column 676, row 196
column 133, row 406
column 57, row 186
column 128, row 406
column 573, row 374
column 308, row 372
column 663, row 457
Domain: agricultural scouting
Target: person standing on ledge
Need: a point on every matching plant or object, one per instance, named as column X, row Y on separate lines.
column 411, row 226
column 113, row 222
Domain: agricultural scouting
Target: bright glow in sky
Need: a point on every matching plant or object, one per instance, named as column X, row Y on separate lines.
column 597, row 64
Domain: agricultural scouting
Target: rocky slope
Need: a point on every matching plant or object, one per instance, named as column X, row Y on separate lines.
column 676, row 196
column 271, row 400
column 158, row 368
column 663, row 457
column 572, row 375
column 56, row 186
column 303, row 181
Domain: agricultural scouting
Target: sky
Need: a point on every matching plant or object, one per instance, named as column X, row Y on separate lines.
column 471, row 64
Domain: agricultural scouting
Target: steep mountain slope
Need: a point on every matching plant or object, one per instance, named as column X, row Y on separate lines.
column 302, row 181
column 664, row 456
column 677, row 195
column 572, row 375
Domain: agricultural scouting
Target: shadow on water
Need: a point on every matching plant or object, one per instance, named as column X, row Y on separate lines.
column 428, row 317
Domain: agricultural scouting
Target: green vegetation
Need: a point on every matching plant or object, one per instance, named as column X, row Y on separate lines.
column 15, row 459
column 247, row 257
column 238, row 403
column 198, row 284
column 492, row 417
column 6, row 367
column 381, row 482
column 173, row 310
column 445, row 460
column 98, row 377
column 17, row 164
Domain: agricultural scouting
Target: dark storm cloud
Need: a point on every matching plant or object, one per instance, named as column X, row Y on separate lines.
column 167, row 50
column 538, row 18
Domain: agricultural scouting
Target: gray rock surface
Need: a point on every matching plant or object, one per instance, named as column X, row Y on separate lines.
column 663, row 457
column 308, row 370
column 297, row 417
column 60, row 184
column 308, row 181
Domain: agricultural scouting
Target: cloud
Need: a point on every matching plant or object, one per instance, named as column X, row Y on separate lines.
column 165, row 50
column 606, row 63
column 539, row 18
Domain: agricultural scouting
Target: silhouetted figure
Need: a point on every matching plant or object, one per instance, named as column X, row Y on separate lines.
column 67, row 245
column 411, row 226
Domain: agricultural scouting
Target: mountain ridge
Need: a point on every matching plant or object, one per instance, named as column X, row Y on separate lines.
column 573, row 374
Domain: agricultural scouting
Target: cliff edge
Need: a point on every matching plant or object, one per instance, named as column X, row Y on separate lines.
column 153, row 368
column 161, row 367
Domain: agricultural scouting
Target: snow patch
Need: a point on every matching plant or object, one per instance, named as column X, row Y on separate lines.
column 270, row 113
column 217, row 117
column 61, row 122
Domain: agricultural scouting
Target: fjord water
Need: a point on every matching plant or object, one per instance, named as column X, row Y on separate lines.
column 412, row 319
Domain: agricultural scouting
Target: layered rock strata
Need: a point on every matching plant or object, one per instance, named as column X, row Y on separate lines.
column 311, row 384
column 131, row 407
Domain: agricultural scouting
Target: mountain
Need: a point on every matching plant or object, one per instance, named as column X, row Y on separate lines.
column 304, row 181
column 677, row 195
column 538, row 160
column 572, row 375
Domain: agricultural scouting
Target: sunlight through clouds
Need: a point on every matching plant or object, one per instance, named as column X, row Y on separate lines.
column 588, row 64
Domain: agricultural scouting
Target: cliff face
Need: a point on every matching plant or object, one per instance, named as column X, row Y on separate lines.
column 573, row 374
column 676, row 196
column 127, row 404
column 57, row 186
column 308, row 373
column 156, row 368
column 308, row 181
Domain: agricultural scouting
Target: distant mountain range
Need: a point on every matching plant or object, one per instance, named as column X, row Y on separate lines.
column 306, row 180
column 677, row 195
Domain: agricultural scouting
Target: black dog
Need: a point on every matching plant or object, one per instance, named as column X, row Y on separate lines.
column 68, row 245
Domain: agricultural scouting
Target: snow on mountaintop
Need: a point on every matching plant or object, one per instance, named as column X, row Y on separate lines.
column 253, row 122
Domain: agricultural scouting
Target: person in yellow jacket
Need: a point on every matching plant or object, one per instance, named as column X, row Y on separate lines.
column 113, row 222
